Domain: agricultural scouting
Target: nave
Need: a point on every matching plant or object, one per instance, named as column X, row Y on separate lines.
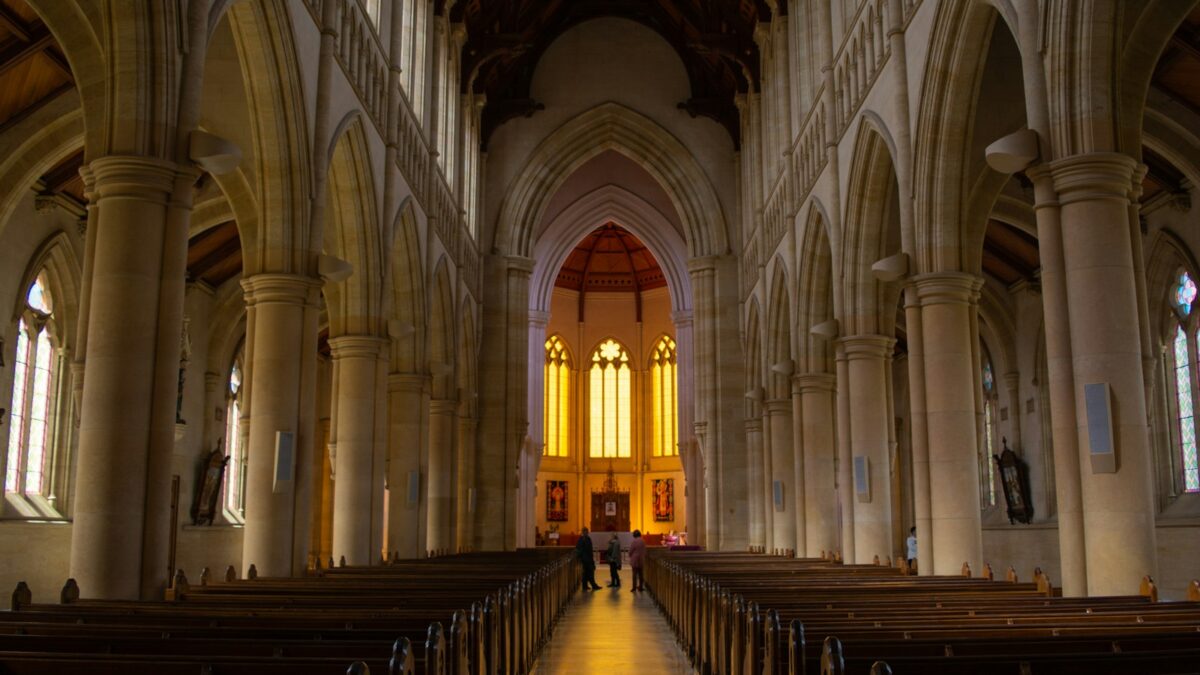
column 612, row 631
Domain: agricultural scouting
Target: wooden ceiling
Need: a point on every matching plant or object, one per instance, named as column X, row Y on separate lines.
column 215, row 255
column 610, row 259
column 33, row 70
column 1009, row 254
column 1177, row 75
column 714, row 38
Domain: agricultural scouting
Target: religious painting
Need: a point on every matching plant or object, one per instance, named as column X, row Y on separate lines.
column 610, row 508
column 664, row 499
column 556, row 500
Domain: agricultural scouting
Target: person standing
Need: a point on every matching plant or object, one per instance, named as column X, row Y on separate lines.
column 583, row 551
column 911, row 545
column 614, row 561
column 637, row 556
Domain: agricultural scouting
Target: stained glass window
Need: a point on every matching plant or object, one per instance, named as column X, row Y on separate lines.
column 1185, row 293
column 32, row 395
column 235, row 487
column 664, row 398
column 987, row 467
column 1186, row 409
column 557, row 405
column 610, row 402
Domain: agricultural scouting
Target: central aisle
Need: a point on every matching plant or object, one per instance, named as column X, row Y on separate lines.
column 612, row 631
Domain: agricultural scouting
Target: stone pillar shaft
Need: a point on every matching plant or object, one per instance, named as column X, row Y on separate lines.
column 464, row 484
column 947, row 303
column 127, row 421
column 282, row 312
column 354, row 521
column 754, row 452
column 845, row 470
column 442, row 427
column 1061, row 384
column 817, row 431
column 1118, row 507
column 920, row 431
column 405, row 432
column 866, row 358
column 783, row 524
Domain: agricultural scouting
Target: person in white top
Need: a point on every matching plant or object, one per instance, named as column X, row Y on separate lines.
column 911, row 544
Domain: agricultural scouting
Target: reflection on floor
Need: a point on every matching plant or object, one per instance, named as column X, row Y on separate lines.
column 612, row 631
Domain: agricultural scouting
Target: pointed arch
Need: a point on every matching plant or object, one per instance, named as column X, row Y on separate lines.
column 406, row 292
column 612, row 127
column 352, row 233
column 779, row 335
column 56, row 259
column 871, row 233
column 815, row 292
column 441, row 331
column 610, row 400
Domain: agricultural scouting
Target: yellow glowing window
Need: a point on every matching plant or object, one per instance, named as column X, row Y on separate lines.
column 610, row 419
column 556, row 430
column 663, row 392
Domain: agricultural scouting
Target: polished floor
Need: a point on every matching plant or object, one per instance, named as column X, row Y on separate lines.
column 612, row 631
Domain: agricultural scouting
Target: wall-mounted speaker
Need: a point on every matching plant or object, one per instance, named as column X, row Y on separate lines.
column 1101, row 448
column 862, row 478
column 414, row 487
column 285, row 461
column 777, row 493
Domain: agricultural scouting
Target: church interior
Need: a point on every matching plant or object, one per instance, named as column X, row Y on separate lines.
column 295, row 285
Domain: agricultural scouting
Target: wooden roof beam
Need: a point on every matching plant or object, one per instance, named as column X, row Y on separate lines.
column 13, row 23
column 18, row 54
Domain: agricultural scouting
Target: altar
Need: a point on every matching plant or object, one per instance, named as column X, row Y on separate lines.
column 610, row 507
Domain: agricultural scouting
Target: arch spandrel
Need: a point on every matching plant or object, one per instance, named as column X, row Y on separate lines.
column 611, row 127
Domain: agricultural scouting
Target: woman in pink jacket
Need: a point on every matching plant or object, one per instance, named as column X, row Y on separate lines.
column 637, row 556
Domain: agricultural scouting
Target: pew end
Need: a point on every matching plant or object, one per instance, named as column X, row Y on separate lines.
column 402, row 662
column 205, row 576
column 230, row 574
column 832, row 662
column 252, row 573
column 179, row 586
column 987, row 572
column 21, row 596
column 1193, row 591
column 966, row 570
column 1147, row 588
column 881, row 668
column 1011, row 575
column 358, row 668
column 69, row 593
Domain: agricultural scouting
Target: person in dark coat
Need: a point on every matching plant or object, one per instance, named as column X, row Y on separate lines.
column 583, row 551
column 613, row 554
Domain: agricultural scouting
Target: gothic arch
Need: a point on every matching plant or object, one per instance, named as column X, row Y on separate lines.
column 405, row 288
column 779, row 335
column 867, row 306
column 609, row 203
column 611, row 127
column 56, row 256
column 1167, row 255
column 34, row 146
column 352, row 233
column 815, row 291
column 441, row 332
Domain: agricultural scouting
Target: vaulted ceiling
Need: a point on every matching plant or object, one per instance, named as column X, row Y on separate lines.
column 610, row 259
column 714, row 38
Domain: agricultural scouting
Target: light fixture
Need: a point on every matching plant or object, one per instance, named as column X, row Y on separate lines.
column 214, row 154
column 891, row 268
column 826, row 329
column 755, row 394
column 785, row 367
column 400, row 329
column 333, row 269
column 1014, row 152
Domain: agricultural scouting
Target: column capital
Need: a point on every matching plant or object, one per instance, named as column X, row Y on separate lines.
column 682, row 317
column 867, row 346
column 753, row 424
column 294, row 289
column 1092, row 176
column 538, row 317
column 704, row 263
column 136, row 177
column 443, row 406
column 356, row 346
column 777, row 406
column 947, row 288
column 518, row 263
column 409, row 382
column 814, row 383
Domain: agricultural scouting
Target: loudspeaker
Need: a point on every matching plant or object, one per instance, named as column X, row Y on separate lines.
column 285, row 460
column 777, row 489
column 862, row 478
column 1101, row 448
column 470, row 500
column 414, row 487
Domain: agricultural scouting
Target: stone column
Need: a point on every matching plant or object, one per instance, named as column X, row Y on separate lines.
column 778, row 414
column 1060, row 371
column 867, row 356
column 844, row 464
column 282, row 311
column 947, row 303
column 464, row 484
column 442, row 429
column 357, row 358
column 1118, row 506
column 703, row 274
column 817, row 431
column 127, row 420
column 405, row 433
column 754, row 453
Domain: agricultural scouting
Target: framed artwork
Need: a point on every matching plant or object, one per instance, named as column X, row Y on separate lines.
column 556, row 500
column 610, row 508
column 664, row 499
